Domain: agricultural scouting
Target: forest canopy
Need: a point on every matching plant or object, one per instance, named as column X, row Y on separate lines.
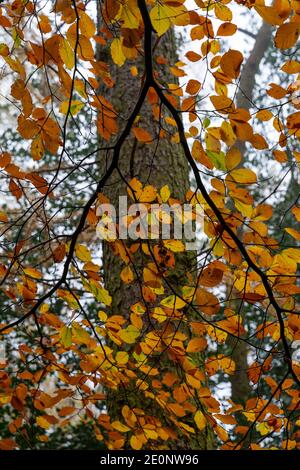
column 149, row 224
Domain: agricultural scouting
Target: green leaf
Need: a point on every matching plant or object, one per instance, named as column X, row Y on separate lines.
column 66, row 336
column 218, row 159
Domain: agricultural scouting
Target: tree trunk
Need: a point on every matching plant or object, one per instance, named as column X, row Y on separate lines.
column 240, row 387
column 156, row 164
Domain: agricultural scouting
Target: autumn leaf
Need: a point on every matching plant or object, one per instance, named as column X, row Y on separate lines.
column 133, row 339
column 174, row 245
column 116, row 50
column 136, row 443
column 87, row 25
column 193, row 87
column 160, row 19
column 165, row 193
column 66, row 53
column 103, row 296
column 196, row 345
column 83, row 253
column 226, row 29
column 32, row 272
column 200, row 420
column 73, row 107
column 243, row 175
column 66, row 337
column 3, row 217
column 127, row 275
column 286, row 35
column 173, row 301
column 129, row 334
column 231, row 63
column 142, row 135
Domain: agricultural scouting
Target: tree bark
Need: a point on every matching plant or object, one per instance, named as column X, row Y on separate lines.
column 240, row 387
column 160, row 163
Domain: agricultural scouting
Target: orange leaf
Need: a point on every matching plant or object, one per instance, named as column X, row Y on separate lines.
column 193, row 87
column 142, row 135
column 127, row 275
column 226, row 29
column 231, row 63
column 136, row 443
column 286, row 35
column 196, row 345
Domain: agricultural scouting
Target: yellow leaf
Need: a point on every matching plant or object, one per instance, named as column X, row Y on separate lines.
column 243, row 175
column 87, row 25
column 263, row 428
column 130, row 14
column 33, row 273
column 129, row 334
column 4, row 51
column 103, row 296
column 74, row 107
column 174, row 245
column 223, row 12
column 172, row 301
column 66, row 336
column 216, row 334
column 136, row 443
column 42, row 422
column 296, row 212
column 85, row 49
column 120, row 426
column 150, row 433
column 117, row 53
column 122, row 357
column 66, row 53
column 222, row 103
column 245, row 209
column 200, row 420
column 37, row 148
column 83, row 253
column 102, row 316
column 289, row 445
column 294, row 233
column 80, row 334
column 165, row 193
column 291, row 66
column 160, row 19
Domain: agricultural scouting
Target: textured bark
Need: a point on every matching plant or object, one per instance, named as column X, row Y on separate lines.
column 158, row 165
column 240, row 387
